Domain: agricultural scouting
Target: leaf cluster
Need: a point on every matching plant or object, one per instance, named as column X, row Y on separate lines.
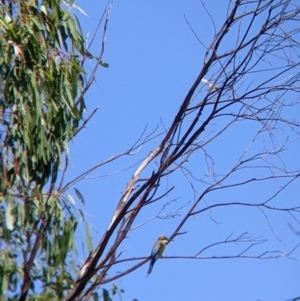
column 41, row 106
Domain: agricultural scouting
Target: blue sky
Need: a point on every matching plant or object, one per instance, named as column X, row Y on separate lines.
column 153, row 59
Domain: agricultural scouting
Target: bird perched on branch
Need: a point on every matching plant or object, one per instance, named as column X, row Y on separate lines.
column 157, row 250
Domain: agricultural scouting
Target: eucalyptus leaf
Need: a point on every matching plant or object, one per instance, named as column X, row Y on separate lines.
column 79, row 195
column 89, row 241
column 70, row 198
column 9, row 217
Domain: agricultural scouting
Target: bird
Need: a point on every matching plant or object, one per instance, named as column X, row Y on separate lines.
column 157, row 251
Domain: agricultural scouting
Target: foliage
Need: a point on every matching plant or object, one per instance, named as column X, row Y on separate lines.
column 41, row 56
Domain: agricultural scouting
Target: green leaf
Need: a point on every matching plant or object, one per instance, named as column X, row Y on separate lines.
column 106, row 296
column 79, row 195
column 71, row 200
column 5, row 25
column 89, row 241
column 95, row 296
column 9, row 217
column 37, row 24
column 43, row 9
column 105, row 65
column 20, row 214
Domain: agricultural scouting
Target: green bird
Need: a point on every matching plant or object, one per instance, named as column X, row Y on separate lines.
column 157, row 251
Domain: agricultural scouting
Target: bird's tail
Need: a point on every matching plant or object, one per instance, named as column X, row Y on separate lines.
column 150, row 269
